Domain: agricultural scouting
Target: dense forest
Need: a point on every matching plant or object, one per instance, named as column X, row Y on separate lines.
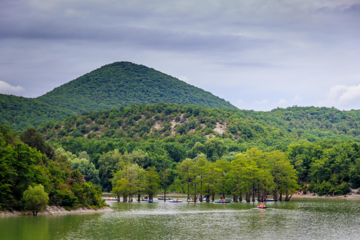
column 27, row 162
column 320, row 143
column 113, row 85
column 21, row 113
column 265, row 130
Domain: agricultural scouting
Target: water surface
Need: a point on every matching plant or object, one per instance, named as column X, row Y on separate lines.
column 297, row 219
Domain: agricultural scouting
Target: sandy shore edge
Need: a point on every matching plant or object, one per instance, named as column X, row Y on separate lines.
column 55, row 210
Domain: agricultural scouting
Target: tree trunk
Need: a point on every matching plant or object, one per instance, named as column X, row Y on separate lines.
column 275, row 194
column 118, row 197
column 201, row 196
column 138, row 197
column 164, row 170
column 253, row 193
column 248, row 194
column 280, row 198
column 240, row 197
column 124, row 198
column 188, row 192
column 287, row 198
column 208, row 198
column 213, row 197
column 195, row 194
column 275, row 190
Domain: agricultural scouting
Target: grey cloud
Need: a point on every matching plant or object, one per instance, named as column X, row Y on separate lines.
column 248, row 50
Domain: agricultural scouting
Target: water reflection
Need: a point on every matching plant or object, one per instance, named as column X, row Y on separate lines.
column 300, row 219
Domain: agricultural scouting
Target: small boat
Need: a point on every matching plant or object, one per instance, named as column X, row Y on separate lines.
column 161, row 198
column 223, row 201
column 176, row 200
column 111, row 199
column 150, row 201
column 261, row 206
column 270, row 200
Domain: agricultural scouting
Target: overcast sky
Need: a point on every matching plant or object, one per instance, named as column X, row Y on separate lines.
column 257, row 54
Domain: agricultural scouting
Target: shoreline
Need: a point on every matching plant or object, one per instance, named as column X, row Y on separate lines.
column 351, row 196
column 55, row 210
column 308, row 196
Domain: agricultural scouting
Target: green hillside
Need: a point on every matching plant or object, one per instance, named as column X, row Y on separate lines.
column 124, row 84
column 113, row 85
column 20, row 113
column 160, row 121
column 321, row 143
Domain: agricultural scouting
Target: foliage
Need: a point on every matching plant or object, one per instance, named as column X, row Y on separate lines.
column 35, row 198
column 21, row 113
column 22, row 166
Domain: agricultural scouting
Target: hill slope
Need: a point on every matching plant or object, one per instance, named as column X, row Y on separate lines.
column 113, row 85
column 160, row 121
column 124, row 84
column 321, row 143
column 20, row 113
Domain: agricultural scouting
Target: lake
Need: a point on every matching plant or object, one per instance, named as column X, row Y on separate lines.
column 297, row 219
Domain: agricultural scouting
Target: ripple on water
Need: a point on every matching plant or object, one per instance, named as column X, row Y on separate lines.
column 300, row 219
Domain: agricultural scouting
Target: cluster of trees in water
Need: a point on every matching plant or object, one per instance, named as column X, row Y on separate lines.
column 254, row 174
column 28, row 164
column 329, row 166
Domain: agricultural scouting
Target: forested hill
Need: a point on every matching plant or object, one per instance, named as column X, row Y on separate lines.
column 21, row 113
column 113, row 85
column 181, row 122
column 321, row 143
column 124, row 84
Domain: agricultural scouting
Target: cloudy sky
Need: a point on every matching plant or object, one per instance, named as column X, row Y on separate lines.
column 257, row 54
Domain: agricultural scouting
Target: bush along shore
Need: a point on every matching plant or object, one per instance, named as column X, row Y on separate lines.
column 33, row 177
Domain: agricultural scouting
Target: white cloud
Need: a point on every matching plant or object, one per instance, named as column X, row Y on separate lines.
column 342, row 96
column 282, row 102
column 6, row 88
column 184, row 78
column 262, row 102
column 239, row 102
column 297, row 98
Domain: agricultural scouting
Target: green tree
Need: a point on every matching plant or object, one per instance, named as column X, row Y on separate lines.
column 185, row 173
column 215, row 149
column 35, row 198
column 151, row 182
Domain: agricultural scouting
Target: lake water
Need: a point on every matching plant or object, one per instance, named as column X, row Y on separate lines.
column 297, row 219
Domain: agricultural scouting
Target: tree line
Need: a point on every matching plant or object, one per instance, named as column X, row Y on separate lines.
column 253, row 174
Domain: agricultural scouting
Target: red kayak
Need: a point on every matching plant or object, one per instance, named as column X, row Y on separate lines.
column 111, row 199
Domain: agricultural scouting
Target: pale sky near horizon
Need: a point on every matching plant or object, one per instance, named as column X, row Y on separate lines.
column 256, row 54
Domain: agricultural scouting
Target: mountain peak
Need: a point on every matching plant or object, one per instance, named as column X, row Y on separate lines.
column 127, row 83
